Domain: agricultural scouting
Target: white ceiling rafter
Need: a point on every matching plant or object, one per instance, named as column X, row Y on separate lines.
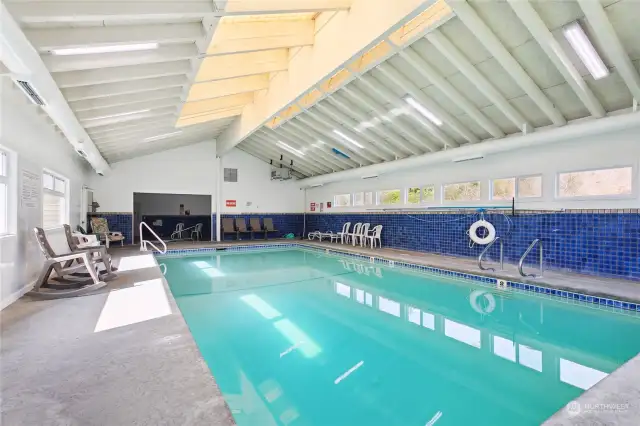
column 309, row 153
column 347, row 108
column 421, row 66
column 319, row 146
column 126, row 99
column 605, row 32
column 131, row 108
column 366, row 134
column 421, row 141
column 456, row 57
column 486, row 36
column 267, row 149
column 274, row 163
column 316, row 150
column 266, row 138
column 558, row 57
column 123, row 87
column 124, row 73
column 404, row 83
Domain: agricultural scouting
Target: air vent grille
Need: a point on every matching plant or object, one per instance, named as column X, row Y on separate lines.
column 230, row 175
column 30, row 92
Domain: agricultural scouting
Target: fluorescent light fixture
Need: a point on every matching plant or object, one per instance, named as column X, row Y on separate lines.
column 317, row 185
column 422, row 110
column 469, row 158
column 348, row 139
column 578, row 39
column 291, row 149
column 122, row 114
column 104, row 49
column 163, row 136
column 370, row 177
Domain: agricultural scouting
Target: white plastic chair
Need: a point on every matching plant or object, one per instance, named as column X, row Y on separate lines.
column 177, row 234
column 356, row 231
column 345, row 232
column 364, row 232
column 374, row 236
column 198, row 231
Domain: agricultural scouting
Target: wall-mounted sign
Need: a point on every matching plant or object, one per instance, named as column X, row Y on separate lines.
column 328, row 204
column 312, row 207
column 231, row 203
column 321, row 207
column 30, row 190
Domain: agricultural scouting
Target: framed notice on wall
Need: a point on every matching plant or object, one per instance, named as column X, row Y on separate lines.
column 30, row 187
column 312, row 207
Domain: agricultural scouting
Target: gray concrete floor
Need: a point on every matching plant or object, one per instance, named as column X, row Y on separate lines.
column 57, row 371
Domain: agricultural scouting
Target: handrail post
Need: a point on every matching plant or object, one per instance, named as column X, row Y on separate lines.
column 144, row 243
column 526, row 253
column 486, row 249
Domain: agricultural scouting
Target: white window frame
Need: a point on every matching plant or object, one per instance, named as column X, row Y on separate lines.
column 541, row 176
column 364, row 198
column 57, row 193
column 632, row 195
column 378, row 203
column 6, row 180
column 455, row 202
column 335, row 197
column 491, row 180
column 435, row 194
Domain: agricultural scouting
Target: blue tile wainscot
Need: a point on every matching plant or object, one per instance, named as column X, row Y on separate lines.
column 593, row 242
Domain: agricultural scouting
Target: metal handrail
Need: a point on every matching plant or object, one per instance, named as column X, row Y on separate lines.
column 144, row 243
column 482, row 268
column 521, row 263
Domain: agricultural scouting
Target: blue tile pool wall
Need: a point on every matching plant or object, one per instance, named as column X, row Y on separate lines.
column 602, row 244
column 118, row 221
column 285, row 223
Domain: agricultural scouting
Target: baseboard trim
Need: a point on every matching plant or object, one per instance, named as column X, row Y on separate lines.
column 16, row 295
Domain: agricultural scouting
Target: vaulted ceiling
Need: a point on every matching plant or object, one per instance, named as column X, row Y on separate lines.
column 134, row 102
column 488, row 70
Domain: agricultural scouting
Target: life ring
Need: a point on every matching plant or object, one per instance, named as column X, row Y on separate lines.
column 490, row 302
column 491, row 232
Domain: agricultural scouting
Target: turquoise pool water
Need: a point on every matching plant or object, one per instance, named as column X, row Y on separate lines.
column 294, row 337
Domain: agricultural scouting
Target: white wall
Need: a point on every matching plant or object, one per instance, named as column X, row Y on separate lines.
column 35, row 146
column 186, row 170
column 256, row 187
column 610, row 150
column 169, row 204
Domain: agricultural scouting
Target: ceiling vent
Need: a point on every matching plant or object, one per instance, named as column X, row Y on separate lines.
column 30, row 92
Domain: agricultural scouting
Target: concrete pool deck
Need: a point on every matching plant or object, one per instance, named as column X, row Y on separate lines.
column 56, row 369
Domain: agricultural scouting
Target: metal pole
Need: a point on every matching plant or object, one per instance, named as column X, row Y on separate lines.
column 219, row 175
column 541, row 259
column 501, row 256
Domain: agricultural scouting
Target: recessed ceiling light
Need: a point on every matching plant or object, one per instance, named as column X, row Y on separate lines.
column 122, row 114
column 578, row 39
column 104, row 49
column 291, row 149
column 163, row 136
column 348, row 139
column 422, row 110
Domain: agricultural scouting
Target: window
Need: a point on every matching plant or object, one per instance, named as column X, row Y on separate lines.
column 392, row 196
column 363, row 198
column 342, row 200
column 413, row 196
column 4, row 193
column 417, row 195
column 54, row 201
column 466, row 191
column 503, row 189
column 530, row 187
column 607, row 182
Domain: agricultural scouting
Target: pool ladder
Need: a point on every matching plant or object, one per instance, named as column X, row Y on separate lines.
column 145, row 243
column 482, row 268
column 535, row 242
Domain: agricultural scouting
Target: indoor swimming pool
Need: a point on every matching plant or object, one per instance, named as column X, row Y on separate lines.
column 299, row 337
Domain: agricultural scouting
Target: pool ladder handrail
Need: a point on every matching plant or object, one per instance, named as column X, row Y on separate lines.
column 521, row 263
column 486, row 249
column 144, row 243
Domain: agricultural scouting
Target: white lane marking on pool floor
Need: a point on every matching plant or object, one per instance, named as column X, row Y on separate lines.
column 434, row 419
column 291, row 349
column 346, row 373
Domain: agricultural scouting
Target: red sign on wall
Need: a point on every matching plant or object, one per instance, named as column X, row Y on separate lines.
column 231, row 203
column 312, row 207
